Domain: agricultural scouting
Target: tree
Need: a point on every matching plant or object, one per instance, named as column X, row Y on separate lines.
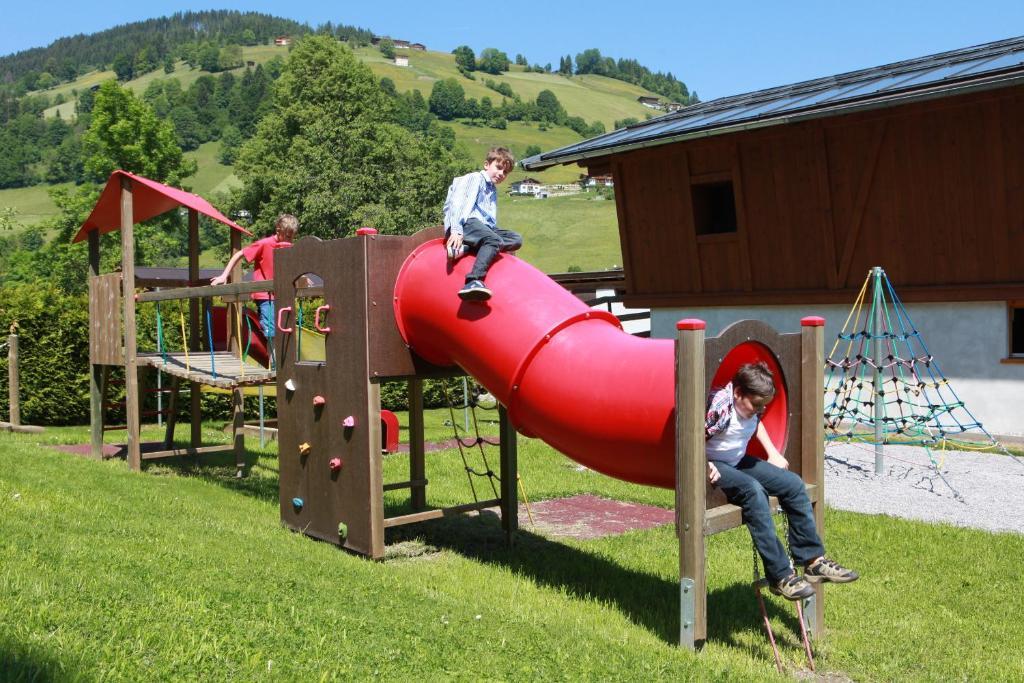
column 248, row 37
column 329, row 153
column 465, row 58
column 123, row 66
column 521, row 60
column 230, row 57
column 565, row 66
column 447, row 99
column 492, row 61
column 125, row 133
column 387, row 48
column 532, row 150
column 230, row 143
column 591, row 62
column 169, row 64
column 549, row 108
column 209, row 57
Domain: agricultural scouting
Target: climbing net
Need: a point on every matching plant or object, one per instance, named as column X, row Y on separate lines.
column 469, row 438
column 884, row 385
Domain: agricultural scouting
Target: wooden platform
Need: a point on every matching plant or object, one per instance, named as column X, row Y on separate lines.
column 223, row 369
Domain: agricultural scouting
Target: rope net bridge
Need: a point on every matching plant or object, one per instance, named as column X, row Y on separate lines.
column 884, row 386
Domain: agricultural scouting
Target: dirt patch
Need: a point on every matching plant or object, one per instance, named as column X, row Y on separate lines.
column 587, row 516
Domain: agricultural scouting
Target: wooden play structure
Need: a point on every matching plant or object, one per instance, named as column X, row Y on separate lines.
column 797, row 360
column 330, row 431
column 128, row 199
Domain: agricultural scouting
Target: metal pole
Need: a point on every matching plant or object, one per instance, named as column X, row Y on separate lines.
column 877, row 331
column 159, row 399
column 465, row 402
column 12, row 369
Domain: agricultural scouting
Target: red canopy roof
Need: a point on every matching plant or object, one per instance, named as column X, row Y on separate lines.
column 149, row 199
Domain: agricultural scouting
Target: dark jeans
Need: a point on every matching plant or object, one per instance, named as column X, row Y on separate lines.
column 748, row 486
column 487, row 242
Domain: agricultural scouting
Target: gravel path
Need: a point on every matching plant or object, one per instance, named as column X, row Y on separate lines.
column 991, row 486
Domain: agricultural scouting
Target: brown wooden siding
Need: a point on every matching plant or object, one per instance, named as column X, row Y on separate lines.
column 933, row 192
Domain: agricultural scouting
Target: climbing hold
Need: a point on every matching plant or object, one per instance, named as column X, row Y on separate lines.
column 319, row 400
column 290, row 385
column 304, row 448
column 349, row 421
column 335, row 464
column 342, row 530
column 297, row 503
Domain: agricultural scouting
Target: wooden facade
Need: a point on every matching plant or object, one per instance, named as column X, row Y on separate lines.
column 932, row 191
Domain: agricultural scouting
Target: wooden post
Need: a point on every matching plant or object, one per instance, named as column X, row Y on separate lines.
column 812, row 446
column 131, row 374
column 193, row 320
column 14, row 380
column 691, row 476
column 95, row 370
column 238, row 430
column 236, row 307
column 509, row 470
column 417, row 456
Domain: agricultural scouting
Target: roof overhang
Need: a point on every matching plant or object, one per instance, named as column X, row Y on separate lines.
column 553, row 158
column 149, row 199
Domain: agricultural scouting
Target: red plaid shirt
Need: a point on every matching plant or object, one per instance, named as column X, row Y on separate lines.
column 719, row 409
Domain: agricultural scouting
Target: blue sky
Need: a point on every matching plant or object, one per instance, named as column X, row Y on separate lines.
column 716, row 48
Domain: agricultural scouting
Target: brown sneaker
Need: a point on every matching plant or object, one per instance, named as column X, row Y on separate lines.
column 824, row 569
column 792, row 587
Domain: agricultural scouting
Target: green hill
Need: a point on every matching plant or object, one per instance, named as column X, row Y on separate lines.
column 588, row 227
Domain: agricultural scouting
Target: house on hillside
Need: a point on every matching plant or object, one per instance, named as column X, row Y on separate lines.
column 650, row 102
column 283, row 41
column 600, row 180
column 399, row 44
column 417, row 46
column 776, row 204
column 527, row 186
column 401, row 60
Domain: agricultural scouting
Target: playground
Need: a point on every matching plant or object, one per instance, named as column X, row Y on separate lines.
column 192, row 568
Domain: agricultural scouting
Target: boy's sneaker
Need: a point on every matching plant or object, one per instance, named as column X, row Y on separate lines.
column 456, row 254
column 824, row 569
column 792, row 587
column 475, row 290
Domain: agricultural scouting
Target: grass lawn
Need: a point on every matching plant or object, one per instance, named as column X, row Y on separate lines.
column 212, row 176
column 560, row 232
column 185, row 572
column 477, row 140
column 33, row 204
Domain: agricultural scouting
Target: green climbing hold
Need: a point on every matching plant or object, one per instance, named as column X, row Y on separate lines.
column 342, row 531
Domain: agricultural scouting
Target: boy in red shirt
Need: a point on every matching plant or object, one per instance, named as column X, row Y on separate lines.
column 261, row 254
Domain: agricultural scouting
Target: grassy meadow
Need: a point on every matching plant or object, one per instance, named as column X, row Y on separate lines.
column 595, row 98
column 185, row 572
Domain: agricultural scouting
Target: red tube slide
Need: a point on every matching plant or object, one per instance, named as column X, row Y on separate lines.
column 567, row 374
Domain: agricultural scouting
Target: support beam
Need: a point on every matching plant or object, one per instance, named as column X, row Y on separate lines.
column 812, row 446
column 195, row 406
column 417, row 449
column 13, row 383
column 95, row 370
column 691, row 477
column 509, row 475
column 131, row 373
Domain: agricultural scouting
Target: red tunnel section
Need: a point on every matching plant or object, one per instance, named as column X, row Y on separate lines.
column 567, row 374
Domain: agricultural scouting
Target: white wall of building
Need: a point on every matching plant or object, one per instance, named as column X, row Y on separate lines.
column 968, row 340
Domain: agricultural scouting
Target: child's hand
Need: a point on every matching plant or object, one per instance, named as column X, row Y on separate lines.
column 778, row 460
column 713, row 474
column 219, row 280
column 455, row 242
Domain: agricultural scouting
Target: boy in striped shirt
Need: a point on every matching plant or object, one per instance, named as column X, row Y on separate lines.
column 471, row 221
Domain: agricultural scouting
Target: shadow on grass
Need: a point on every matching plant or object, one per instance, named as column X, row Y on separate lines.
column 20, row 664
column 647, row 600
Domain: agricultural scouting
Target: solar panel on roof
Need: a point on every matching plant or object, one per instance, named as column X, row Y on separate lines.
column 926, row 74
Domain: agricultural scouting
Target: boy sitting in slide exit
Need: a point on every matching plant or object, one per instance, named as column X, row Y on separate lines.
column 471, row 221
column 733, row 417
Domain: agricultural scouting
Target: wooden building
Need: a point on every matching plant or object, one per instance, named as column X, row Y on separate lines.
column 777, row 203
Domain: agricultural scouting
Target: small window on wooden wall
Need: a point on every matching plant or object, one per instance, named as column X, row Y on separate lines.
column 714, row 207
column 1016, row 312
